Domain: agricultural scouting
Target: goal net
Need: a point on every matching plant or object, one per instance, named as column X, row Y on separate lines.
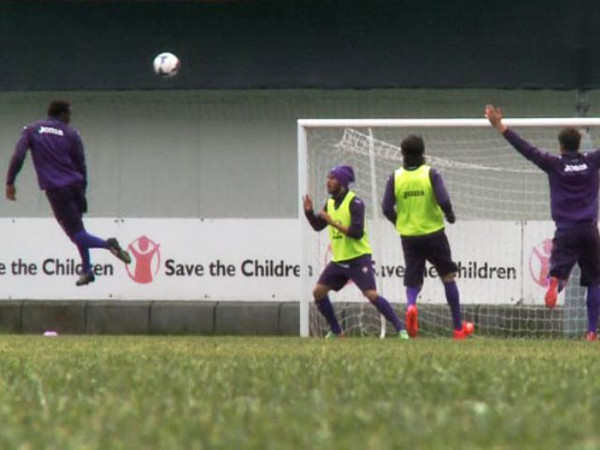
column 501, row 240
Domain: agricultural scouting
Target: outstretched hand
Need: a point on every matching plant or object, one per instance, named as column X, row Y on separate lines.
column 308, row 203
column 495, row 116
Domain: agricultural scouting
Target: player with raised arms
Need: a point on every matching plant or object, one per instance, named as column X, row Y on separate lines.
column 573, row 179
column 344, row 215
column 59, row 162
column 415, row 202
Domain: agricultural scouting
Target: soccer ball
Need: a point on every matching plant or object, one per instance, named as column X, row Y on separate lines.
column 166, row 64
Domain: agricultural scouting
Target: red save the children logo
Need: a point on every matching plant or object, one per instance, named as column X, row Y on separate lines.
column 145, row 263
column 539, row 262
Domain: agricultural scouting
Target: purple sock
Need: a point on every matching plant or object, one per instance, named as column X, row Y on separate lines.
column 326, row 308
column 84, row 242
column 384, row 307
column 84, row 239
column 86, row 265
column 452, row 298
column 593, row 292
column 412, row 292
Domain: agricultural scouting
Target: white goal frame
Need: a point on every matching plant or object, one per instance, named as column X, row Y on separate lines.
column 304, row 124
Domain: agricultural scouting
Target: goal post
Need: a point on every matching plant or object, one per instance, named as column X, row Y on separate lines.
column 501, row 240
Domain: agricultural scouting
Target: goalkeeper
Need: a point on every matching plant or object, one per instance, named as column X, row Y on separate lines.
column 416, row 201
column 573, row 179
column 344, row 214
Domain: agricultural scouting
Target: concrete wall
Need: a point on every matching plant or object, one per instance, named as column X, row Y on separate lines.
column 263, row 318
column 150, row 317
column 207, row 153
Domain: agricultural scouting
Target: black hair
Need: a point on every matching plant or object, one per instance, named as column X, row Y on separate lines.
column 58, row 107
column 569, row 139
column 413, row 149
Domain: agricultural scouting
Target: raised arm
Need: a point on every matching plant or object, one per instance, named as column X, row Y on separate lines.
column 543, row 160
column 316, row 222
column 594, row 158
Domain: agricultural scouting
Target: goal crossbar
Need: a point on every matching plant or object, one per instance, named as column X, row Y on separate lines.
column 445, row 123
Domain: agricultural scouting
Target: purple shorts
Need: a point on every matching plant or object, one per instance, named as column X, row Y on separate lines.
column 578, row 245
column 68, row 205
column 359, row 270
column 432, row 247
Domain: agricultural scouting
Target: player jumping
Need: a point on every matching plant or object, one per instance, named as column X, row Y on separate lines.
column 58, row 158
column 573, row 179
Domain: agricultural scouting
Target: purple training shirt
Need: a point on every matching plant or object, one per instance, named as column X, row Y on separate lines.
column 57, row 153
column 573, row 179
column 439, row 191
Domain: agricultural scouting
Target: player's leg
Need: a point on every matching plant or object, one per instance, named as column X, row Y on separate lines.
column 67, row 211
column 440, row 255
column 414, row 259
column 68, row 205
column 85, row 239
column 453, row 299
column 461, row 329
column 589, row 262
column 331, row 278
column 362, row 274
column 593, row 296
column 563, row 257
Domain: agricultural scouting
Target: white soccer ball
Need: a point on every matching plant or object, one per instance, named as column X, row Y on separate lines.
column 166, row 64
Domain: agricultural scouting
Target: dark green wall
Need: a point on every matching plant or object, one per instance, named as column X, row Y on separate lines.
column 55, row 45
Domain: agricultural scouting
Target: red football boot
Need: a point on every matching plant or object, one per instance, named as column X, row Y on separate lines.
column 459, row 335
column 552, row 293
column 591, row 336
column 412, row 321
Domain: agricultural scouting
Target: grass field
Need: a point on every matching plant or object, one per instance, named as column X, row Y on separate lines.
column 234, row 392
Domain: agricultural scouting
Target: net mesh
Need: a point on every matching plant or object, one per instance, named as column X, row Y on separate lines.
column 497, row 195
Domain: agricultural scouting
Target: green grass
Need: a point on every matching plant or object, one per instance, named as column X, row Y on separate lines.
column 261, row 393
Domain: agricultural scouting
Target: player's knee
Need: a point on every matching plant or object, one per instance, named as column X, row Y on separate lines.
column 319, row 293
column 448, row 278
column 371, row 295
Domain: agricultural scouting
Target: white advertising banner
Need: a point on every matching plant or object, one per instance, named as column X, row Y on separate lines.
column 258, row 260
column 173, row 259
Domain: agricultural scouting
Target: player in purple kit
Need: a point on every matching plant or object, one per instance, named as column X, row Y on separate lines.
column 573, row 179
column 59, row 161
column 416, row 201
column 344, row 214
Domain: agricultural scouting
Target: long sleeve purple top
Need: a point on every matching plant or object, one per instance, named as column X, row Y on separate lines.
column 357, row 217
column 57, row 153
column 439, row 191
column 573, row 179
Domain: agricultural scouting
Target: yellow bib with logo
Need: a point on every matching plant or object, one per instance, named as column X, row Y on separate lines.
column 343, row 247
column 418, row 212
